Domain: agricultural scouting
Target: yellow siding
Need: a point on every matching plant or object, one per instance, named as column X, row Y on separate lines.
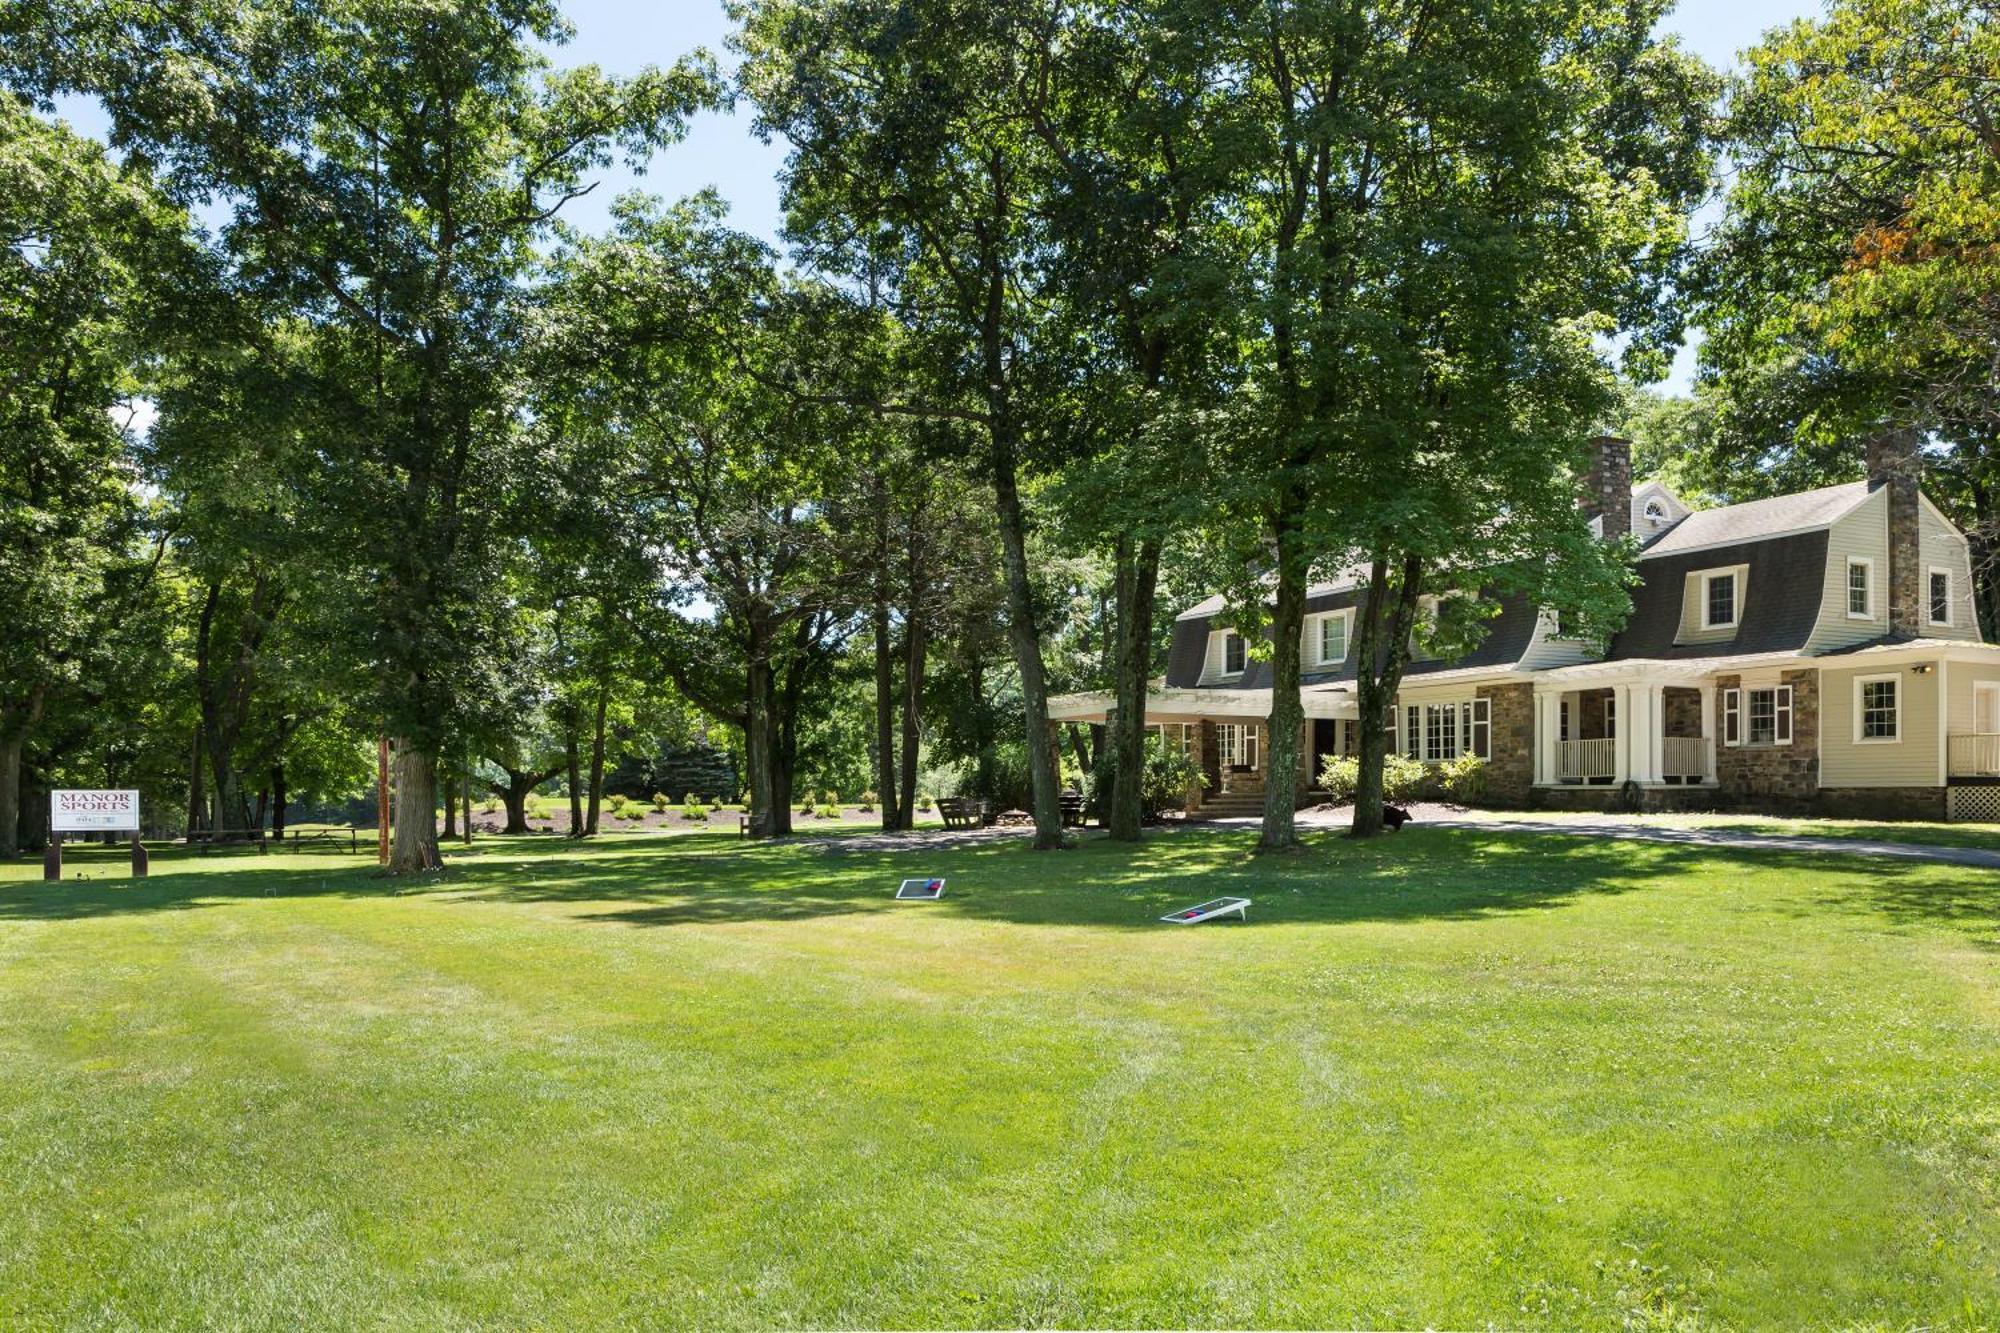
column 1943, row 546
column 1691, row 608
column 1959, row 679
column 1909, row 762
column 1863, row 531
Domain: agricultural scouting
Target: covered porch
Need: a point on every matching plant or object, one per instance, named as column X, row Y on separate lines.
column 1606, row 725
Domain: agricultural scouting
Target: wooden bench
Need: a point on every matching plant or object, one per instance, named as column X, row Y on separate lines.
column 965, row 812
column 1072, row 809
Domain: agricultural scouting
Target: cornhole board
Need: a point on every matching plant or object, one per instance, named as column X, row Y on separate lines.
column 924, row 890
column 1209, row 911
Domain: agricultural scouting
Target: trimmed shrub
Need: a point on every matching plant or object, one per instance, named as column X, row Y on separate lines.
column 1341, row 776
column 694, row 809
column 1403, row 779
column 1463, row 779
column 829, row 812
column 661, row 801
column 867, row 802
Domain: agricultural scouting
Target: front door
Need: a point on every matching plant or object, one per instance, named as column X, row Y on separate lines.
column 1325, row 741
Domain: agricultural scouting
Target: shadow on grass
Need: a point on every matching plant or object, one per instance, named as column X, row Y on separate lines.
column 692, row 879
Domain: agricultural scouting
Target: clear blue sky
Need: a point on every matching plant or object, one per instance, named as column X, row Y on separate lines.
column 720, row 151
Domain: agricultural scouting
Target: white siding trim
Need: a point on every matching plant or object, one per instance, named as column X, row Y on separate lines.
column 1894, row 678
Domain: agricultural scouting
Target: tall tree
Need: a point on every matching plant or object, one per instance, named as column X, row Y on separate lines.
column 1451, row 201
column 1854, row 279
column 912, row 129
column 389, row 164
column 79, row 238
column 676, row 339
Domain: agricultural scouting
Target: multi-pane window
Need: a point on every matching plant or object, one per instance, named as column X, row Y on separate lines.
column 1860, row 601
column 1940, row 597
column 1236, row 744
column 1232, row 654
column 1332, row 639
column 1721, row 600
column 1757, row 717
column 1479, row 727
column 1876, row 713
column 1440, row 732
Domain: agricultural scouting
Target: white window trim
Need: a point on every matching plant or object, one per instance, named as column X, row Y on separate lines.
column 1950, row 596
column 1859, row 682
column 1986, row 687
column 1222, row 671
column 1736, row 716
column 1653, row 509
column 1847, row 591
column 1705, row 577
column 1315, row 631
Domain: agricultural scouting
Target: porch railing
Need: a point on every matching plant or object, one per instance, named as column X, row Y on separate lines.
column 1973, row 756
column 1683, row 757
column 1580, row 761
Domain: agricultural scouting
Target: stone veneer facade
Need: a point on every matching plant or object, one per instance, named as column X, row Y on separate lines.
column 1778, row 776
column 1510, row 773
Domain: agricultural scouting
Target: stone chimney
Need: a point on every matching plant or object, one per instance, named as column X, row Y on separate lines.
column 1895, row 464
column 1607, row 487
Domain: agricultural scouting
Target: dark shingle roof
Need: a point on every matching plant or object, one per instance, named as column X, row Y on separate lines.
column 1507, row 637
column 1781, row 599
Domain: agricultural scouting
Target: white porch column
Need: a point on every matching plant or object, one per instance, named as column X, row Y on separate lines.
column 1622, row 732
column 1545, row 737
column 1649, row 732
column 1708, row 732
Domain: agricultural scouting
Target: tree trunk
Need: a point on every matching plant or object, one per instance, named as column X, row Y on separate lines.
column 913, row 697
column 413, row 817
column 1043, row 783
column 571, row 763
column 1281, row 746
column 278, row 800
column 10, row 793
column 197, row 795
column 768, row 810
column 885, row 706
column 1138, row 580
column 1382, row 648
column 597, row 758
column 450, row 804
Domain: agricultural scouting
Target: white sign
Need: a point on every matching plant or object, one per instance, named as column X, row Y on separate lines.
column 84, row 811
column 926, row 890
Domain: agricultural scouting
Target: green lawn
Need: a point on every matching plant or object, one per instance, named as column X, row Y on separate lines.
column 1447, row 1079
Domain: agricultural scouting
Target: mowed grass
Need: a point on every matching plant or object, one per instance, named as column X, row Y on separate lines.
column 1450, row 1078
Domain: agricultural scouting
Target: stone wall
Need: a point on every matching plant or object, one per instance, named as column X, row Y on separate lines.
column 1683, row 711
column 1510, row 773
column 1882, row 802
column 1779, row 777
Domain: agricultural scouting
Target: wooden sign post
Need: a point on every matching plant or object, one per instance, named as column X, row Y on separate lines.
column 74, row 811
column 382, row 802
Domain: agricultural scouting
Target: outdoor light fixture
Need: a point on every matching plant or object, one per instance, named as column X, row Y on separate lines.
column 1922, row 668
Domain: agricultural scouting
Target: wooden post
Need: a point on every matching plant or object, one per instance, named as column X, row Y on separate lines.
column 141, row 863
column 52, row 859
column 382, row 801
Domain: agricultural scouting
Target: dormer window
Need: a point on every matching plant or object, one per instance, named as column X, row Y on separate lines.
column 1655, row 512
column 1860, row 588
column 1232, row 654
column 1718, row 600
column 1326, row 638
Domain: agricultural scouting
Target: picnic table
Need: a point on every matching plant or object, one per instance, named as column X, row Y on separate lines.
column 965, row 811
column 1072, row 809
